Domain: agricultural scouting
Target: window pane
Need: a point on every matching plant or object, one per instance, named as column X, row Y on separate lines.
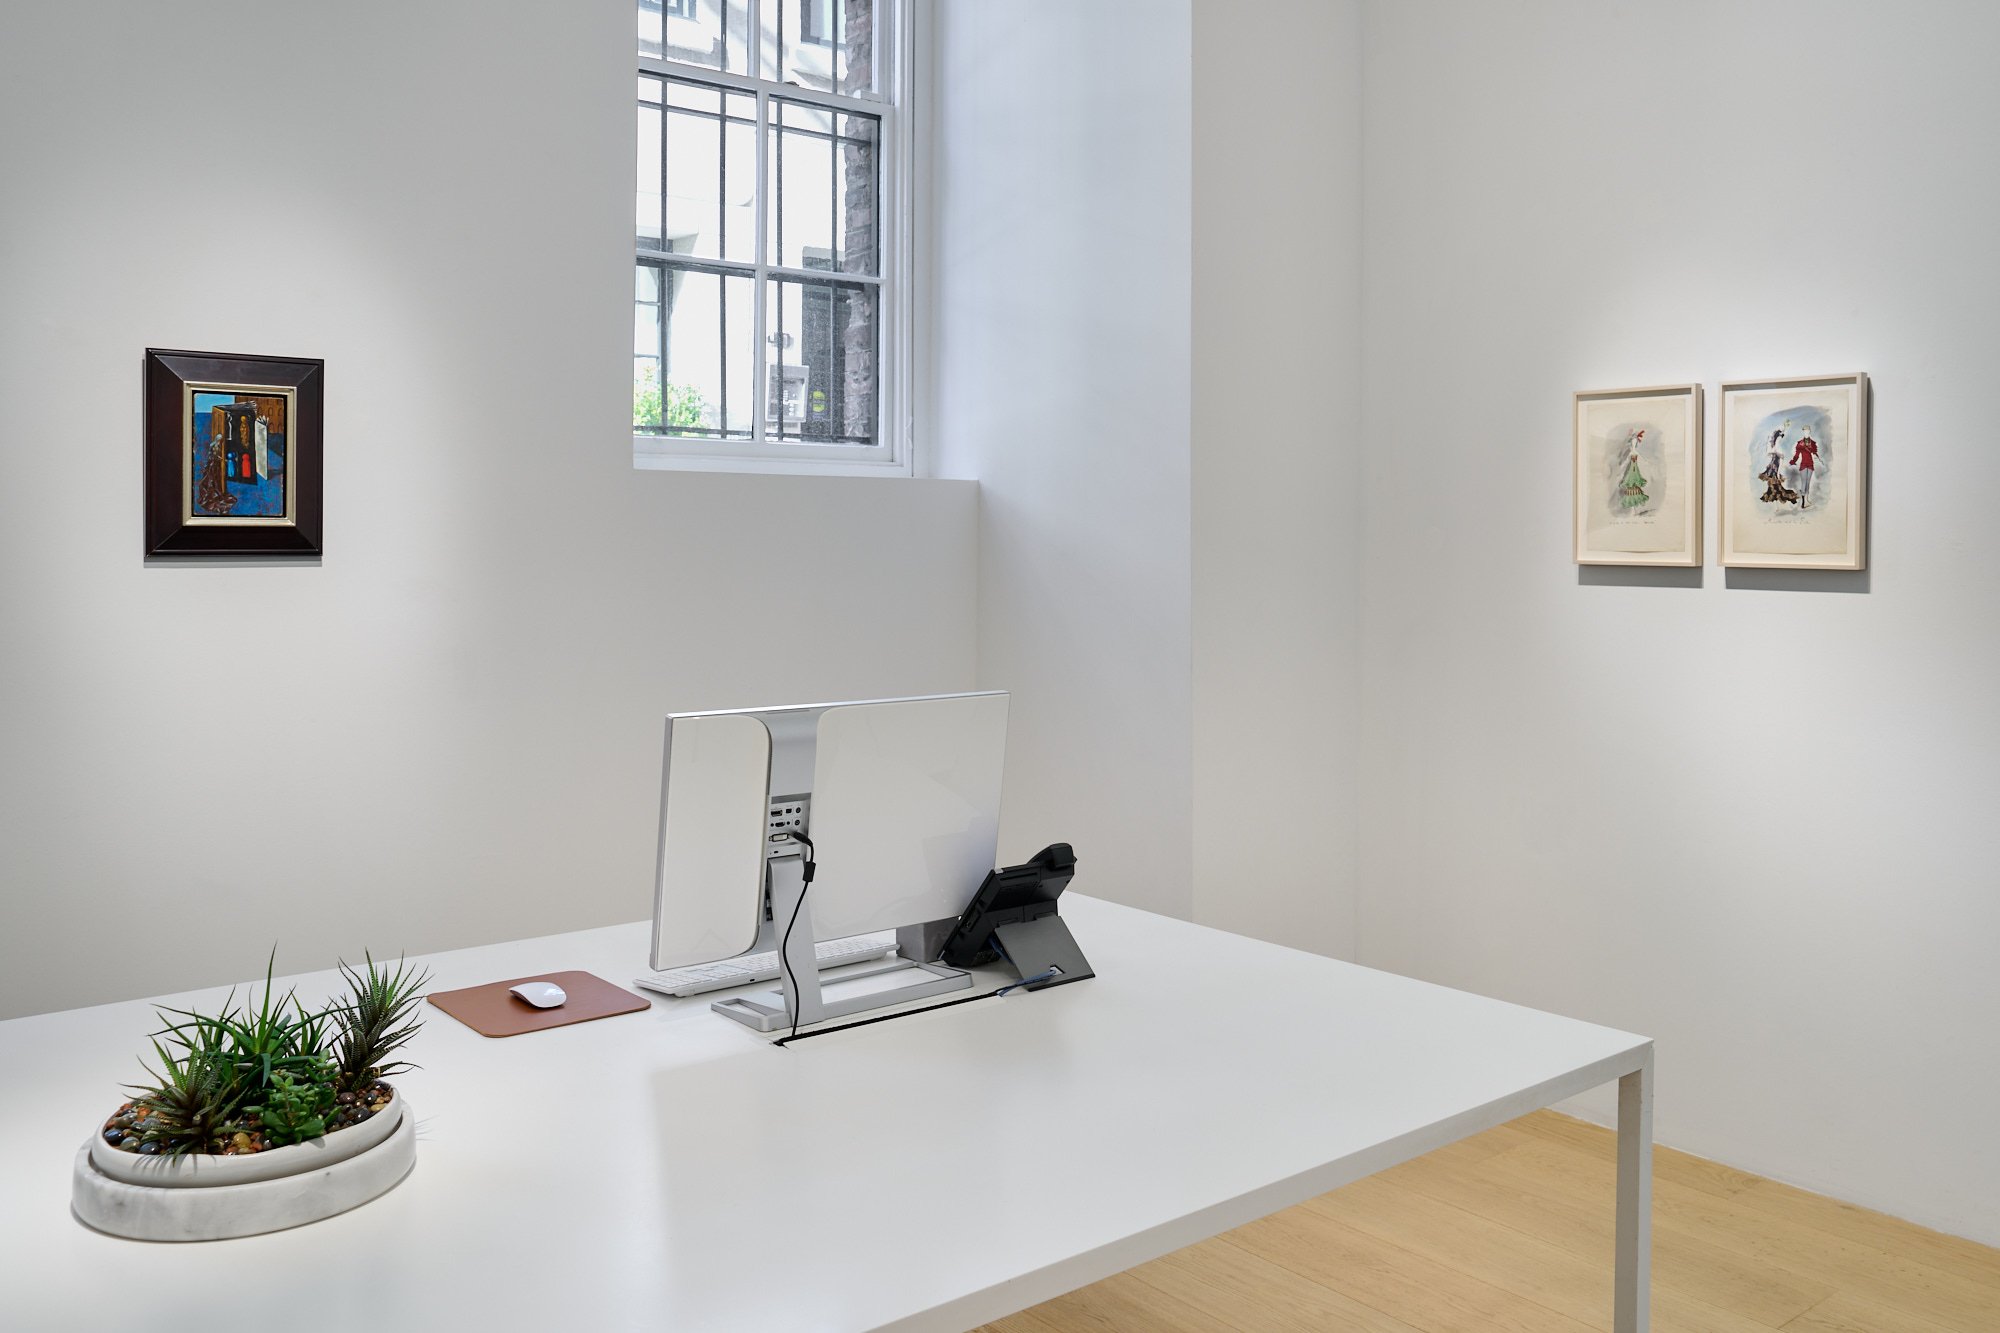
column 712, row 33
column 824, row 168
column 699, row 383
column 824, row 44
column 646, row 314
column 646, row 205
column 821, row 384
column 711, row 172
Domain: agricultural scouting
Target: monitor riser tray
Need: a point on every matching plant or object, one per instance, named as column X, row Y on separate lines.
column 765, row 1010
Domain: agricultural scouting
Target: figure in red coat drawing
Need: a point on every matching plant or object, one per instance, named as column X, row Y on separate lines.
column 1773, row 475
column 1789, row 452
column 1805, row 455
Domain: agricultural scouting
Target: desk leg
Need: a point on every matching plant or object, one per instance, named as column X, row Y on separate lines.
column 1632, row 1298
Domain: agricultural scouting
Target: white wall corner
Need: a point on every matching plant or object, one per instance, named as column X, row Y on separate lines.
column 1276, row 512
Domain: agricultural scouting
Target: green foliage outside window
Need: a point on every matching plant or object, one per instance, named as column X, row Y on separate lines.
column 665, row 407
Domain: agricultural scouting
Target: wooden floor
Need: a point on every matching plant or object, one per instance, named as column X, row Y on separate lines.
column 1510, row 1232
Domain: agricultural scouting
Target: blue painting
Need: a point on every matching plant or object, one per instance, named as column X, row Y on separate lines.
column 237, row 455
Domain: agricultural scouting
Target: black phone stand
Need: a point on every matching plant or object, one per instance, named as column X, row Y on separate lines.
column 1013, row 916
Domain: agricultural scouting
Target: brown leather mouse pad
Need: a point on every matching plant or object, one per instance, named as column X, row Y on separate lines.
column 492, row 1011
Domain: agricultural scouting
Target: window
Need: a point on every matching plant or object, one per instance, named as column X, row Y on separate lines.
column 770, row 292
column 673, row 9
column 818, row 22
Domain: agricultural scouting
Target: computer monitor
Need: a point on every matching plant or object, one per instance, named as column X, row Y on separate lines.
column 900, row 797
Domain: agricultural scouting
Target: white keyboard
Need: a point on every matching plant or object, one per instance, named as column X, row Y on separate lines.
column 757, row 967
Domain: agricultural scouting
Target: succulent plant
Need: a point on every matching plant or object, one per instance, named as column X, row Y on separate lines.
column 195, row 1103
column 296, row 1108
column 375, row 1020
column 279, row 1034
column 276, row 1070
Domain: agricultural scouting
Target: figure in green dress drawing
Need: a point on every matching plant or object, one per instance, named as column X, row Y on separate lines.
column 1632, row 486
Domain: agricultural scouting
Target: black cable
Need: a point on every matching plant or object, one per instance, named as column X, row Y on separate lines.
column 784, row 946
column 883, row 1018
column 785, row 958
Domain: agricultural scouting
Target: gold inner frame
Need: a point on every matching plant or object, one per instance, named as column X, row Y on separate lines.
column 289, row 519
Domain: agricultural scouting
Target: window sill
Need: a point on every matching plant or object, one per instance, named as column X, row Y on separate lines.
column 649, row 456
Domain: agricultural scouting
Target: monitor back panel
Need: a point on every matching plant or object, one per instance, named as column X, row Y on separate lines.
column 905, row 809
column 709, row 894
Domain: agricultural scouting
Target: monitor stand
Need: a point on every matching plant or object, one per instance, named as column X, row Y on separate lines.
column 856, row 990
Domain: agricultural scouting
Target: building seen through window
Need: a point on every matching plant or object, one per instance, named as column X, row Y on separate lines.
column 760, row 287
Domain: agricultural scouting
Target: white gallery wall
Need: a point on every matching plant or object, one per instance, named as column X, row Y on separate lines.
column 1059, row 207
column 448, row 731
column 1268, row 396
column 1745, row 813
column 1276, row 361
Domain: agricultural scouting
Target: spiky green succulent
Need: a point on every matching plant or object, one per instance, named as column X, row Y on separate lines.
column 271, row 1065
column 375, row 1020
column 278, row 1034
column 194, row 1103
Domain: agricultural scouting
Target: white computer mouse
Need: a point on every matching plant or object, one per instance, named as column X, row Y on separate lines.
column 541, row 994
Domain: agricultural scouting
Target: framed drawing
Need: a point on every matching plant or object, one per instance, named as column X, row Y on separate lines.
column 1795, row 473
column 1638, row 476
column 232, row 454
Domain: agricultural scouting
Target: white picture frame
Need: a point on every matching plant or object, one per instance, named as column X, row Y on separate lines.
column 1793, row 470
column 1636, row 468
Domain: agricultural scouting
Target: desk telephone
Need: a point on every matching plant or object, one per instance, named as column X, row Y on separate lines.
column 1013, row 917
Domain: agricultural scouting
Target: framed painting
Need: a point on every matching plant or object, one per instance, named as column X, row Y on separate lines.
column 232, row 454
column 1795, row 473
column 1638, row 476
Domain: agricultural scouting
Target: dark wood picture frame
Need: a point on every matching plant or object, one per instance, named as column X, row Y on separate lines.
column 172, row 529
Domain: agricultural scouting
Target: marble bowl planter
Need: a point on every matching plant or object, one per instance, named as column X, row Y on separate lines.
column 204, row 1197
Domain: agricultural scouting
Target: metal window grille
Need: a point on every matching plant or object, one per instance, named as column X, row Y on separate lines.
column 772, row 232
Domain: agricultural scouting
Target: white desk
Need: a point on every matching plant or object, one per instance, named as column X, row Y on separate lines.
column 667, row 1170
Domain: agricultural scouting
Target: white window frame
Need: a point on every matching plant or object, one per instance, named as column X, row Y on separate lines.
column 893, row 454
